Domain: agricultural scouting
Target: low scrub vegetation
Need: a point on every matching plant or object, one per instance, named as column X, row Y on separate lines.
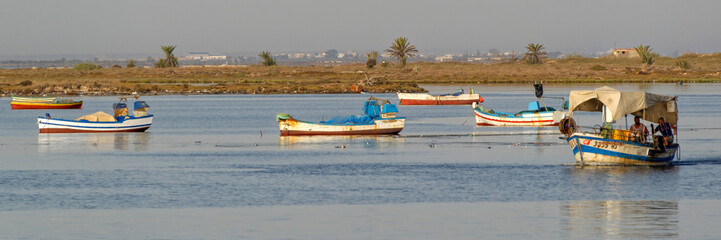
column 598, row 68
column 258, row 79
column 86, row 67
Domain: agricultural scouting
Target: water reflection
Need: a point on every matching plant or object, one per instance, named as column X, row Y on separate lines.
column 581, row 174
column 48, row 143
column 620, row 219
column 299, row 142
column 614, row 180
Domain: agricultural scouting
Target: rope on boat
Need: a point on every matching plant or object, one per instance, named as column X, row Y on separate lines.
column 469, row 117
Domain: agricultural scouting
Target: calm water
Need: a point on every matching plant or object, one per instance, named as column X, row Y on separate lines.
column 214, row 167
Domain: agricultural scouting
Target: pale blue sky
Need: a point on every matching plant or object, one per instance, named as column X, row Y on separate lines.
column 29, row 27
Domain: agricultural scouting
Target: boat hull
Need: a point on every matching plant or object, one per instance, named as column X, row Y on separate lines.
column 40, row 105
column 538, row 119
column 292, row 127
column 50, row 125
column 427, row 99
column 591, row 149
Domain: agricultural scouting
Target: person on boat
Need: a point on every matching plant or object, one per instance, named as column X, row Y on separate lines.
column 665, row 129
column 638, row 131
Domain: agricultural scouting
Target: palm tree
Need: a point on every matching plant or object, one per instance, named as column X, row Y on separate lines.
column 170, row 59
column 535, row 53
column 402, row 50
column 267, row 59
column 372, row 56
column 646, row 53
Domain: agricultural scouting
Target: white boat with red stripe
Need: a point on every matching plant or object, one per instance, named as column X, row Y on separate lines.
column 121, row 121
column 534, row 116
column 458, row 98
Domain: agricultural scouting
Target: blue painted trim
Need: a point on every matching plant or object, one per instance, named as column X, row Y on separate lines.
column 365, row 124
column 589, row 149
column 93, row 127
column 509, row 115
column 612, row 140
column 76, row 121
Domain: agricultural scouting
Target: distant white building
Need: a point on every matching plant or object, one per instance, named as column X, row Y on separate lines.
column 476, row 59
column 197, row 55
column 204, row 56
column 444, row 58
column 625, row 52
column 351, row 54
column 217, row 57
column 298, row 55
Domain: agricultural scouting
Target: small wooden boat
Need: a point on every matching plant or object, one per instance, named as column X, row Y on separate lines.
column 458, row 98
column 121, row 121
column 18, row 103
column 608, row 146
column 379, row 118
column 534, row 116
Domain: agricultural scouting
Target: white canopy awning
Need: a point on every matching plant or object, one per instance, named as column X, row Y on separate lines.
column 648, row 106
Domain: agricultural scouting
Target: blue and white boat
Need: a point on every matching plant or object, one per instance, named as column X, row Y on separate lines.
column 607, row 146
column 121, row 121
column 534, row 116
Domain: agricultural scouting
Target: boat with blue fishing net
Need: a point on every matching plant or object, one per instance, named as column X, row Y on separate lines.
column 609, row 145
column 378, row 118
column 121, row 121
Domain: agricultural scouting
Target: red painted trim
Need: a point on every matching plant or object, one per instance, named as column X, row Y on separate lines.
column 24, row 106
column 440, row 102
column 494, row 120
column 359, row 132
column 65, row 130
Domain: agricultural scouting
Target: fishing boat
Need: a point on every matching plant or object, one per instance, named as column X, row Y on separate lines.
column 605, row 145
column 379, row 117
column 121, row 121
column 537, row 114
column 534, row 116
column 18, row 103
column 457, row 98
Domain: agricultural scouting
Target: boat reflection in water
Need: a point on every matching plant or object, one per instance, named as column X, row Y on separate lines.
column 125, row 141
column 615, row 219
column 364, row 141
column 610, row 176
column 620, row 219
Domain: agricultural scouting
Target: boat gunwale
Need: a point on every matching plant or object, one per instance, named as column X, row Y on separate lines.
column 86, row 121
column 610, row 153
column 335, row 124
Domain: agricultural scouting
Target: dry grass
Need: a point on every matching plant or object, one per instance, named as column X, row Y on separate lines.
column 338, row 79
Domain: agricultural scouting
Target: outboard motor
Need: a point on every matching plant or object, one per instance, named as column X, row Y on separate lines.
column 539, row 89
column 120, row 109
column 141, row 109
column 659, row 144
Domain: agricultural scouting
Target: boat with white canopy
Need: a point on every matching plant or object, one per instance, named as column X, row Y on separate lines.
column 608, row 146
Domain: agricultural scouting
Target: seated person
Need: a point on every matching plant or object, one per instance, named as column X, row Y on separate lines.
column 665, row 130
column 638, row 131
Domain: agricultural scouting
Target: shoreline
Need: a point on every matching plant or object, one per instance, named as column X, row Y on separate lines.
column 346, row 78
column 421, row 86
